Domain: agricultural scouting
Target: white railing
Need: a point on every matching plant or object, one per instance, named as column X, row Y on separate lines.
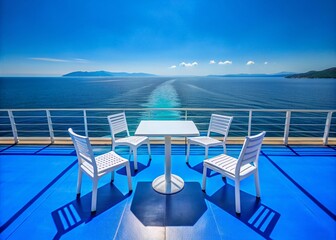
column 53, row 123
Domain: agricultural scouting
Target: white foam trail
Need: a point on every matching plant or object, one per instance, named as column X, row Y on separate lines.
column 164, row 96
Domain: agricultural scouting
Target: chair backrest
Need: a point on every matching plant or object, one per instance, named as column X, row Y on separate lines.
column 219, row 124
column 117, row 124
column 84, row 152
column 250, row 151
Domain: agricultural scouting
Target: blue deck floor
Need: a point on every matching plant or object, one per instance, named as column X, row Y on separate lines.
column 38, row 198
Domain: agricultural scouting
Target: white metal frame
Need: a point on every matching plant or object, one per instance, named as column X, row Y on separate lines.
column 10, row 125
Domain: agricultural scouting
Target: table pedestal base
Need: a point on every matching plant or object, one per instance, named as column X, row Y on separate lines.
column 161, row 186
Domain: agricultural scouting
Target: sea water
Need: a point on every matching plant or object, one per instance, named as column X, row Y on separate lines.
column 167, row 92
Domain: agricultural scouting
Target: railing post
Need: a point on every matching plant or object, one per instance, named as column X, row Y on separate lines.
column 51, row 130
column 13, row 125
column 85, row 123
column 287, row 125
column 186, row 115
column 249, row 127
column 327, row 128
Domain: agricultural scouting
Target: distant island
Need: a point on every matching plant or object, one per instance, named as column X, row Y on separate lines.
column 327, row 73
column 106, row 74
column 280, row 74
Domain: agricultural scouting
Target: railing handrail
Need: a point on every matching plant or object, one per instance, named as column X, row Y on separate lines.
column 173, row 109
column 187, row 114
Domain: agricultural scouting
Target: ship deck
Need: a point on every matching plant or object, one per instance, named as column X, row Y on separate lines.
column 38, row 196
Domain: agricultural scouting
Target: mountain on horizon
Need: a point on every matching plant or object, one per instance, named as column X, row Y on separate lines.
column 106, row 74
column 326, row 73
column 280, row 74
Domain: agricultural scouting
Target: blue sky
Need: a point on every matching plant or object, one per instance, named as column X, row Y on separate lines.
column 191, row 37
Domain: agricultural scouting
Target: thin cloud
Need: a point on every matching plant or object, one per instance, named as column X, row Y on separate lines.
column 183, row 64
column 225, row 63
column 250, row 63
column 172, row 67
column 77, row 60
column 265, row 63
column 49, row 59
column 81, row 60
column 212, row 62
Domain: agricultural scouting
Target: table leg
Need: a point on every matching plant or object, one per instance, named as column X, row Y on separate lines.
column 167, row 169
column 168, row 183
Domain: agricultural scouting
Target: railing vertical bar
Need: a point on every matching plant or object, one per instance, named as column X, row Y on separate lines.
column 185, row 138
column 287, row 126
column 327, row 128
column 13, row 125
column 51, row 130
column 85, row 123
column 249, row 128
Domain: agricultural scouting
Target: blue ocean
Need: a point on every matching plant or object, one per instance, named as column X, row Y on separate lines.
column 167, row 92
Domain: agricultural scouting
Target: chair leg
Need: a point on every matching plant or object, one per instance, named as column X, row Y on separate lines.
column 149, row 150
column 135, row 156
column 237, row 196
column 79, row 181
column 256, row 181
column 204, row 178
column 112, row 176
column 224, row 148
column 128, row 171
column 188, row 151
column 94, row 195
column 206, row 152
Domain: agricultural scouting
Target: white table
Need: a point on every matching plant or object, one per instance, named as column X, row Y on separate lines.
column 167, row 183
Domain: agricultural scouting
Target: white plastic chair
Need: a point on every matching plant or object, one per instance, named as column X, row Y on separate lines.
column 218, row 124
column 238, row 169
column 118, row 124
column 96, row 167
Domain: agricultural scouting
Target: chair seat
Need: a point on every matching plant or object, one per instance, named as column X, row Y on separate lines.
column 227, row 165
column 205, row 141
column 132, row 140
column 109, row 160
column 105, row 163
